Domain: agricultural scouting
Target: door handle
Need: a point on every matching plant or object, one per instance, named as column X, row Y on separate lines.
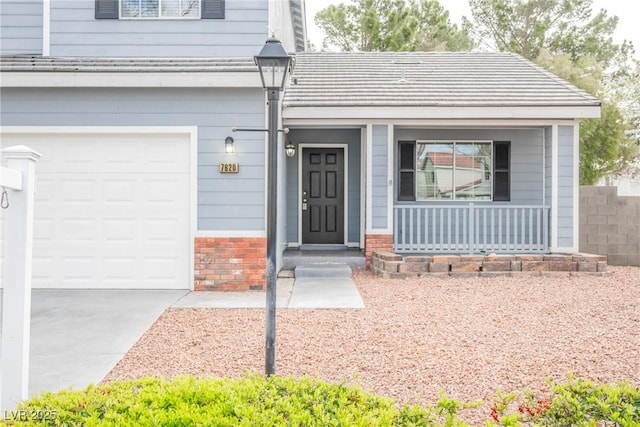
column 304, row 204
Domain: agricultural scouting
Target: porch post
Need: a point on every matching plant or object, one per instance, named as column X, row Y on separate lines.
column 553, row 220
column 379, row 194
column 16, row 299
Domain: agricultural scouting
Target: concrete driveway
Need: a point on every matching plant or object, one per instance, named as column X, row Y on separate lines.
column 77, row 336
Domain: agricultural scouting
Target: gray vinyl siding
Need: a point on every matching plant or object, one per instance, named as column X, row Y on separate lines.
column 329, row 136
column 548, row 162
column 565, row 186
column 76, row 32
column 527, row 168
column 225, row 202
column 20, row 27
column 379, row 177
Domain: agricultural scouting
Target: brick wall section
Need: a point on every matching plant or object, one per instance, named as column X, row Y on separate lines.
column 610, row 225
column 230, row 263
column 376, row 243
column 390, row 265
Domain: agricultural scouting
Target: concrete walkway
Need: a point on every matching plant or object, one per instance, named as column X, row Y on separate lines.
column 78, row 336
column 302, row 292
column 324, row 285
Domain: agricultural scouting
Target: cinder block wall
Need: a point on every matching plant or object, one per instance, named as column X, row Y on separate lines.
column 610, row 225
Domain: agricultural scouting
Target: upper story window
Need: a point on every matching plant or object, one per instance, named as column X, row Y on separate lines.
column 159, row 9
column 453, row 170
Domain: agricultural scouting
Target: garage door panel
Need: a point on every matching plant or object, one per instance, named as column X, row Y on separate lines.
column 120, row 190
column 117, row 231
column 112, row 211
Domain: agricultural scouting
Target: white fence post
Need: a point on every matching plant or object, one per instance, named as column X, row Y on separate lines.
column 16, row 299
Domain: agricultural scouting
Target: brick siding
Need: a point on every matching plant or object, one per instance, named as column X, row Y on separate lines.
column 376, row 243
column 610, row 225
column 230, row 263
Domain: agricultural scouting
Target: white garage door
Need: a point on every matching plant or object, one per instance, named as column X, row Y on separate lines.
column 111, row 210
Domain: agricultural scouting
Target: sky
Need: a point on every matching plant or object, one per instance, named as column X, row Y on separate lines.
column 627, row 11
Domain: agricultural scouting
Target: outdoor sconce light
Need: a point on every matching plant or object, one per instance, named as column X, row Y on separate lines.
column 290, row 150
column 228, row 145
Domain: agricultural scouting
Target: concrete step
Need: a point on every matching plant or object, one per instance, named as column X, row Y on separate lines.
column 354, row 258
column 323, row 271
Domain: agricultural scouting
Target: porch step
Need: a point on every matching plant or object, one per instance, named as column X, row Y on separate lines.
column 354, row 258
column 311, row 247
column 323, row 271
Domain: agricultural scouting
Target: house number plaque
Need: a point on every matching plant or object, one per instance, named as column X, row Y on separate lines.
column 229, row 168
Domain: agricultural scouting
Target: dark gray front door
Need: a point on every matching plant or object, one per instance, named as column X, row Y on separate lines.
column 322, row 196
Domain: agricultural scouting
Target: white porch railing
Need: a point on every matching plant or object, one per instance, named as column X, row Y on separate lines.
column 470, row 228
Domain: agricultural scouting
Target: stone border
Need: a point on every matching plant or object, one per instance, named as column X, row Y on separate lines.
column 390, row 265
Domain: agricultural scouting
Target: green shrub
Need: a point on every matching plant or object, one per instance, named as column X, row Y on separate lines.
column 255, row 400
column 577, row 403
column 250, row 401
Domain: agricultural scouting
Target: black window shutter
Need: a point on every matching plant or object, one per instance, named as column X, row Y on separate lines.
column 501, row 178
column 106, row 9
column 212, row 9
column 406, row 170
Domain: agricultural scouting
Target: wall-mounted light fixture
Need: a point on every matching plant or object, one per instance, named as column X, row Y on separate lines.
column 228, row 145
column 290, row 150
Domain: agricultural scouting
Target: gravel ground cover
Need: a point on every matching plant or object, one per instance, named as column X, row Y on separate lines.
column 466, row 337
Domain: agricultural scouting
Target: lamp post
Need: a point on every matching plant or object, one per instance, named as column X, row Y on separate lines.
column 273, row 63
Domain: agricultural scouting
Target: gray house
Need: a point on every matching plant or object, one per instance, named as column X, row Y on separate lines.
column 130, row 106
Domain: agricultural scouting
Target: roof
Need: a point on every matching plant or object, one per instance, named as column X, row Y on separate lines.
column 409, row 79
column 21, row 63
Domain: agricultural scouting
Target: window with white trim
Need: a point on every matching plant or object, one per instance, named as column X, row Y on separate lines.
column 159, row 9
column 453, row 170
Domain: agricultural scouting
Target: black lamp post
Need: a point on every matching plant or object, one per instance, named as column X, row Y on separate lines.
column 273, row 63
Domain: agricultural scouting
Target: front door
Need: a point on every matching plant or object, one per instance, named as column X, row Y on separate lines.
column 322, row 196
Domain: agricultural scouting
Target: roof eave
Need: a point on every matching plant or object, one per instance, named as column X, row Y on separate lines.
column 130, row 79
column 552, row 112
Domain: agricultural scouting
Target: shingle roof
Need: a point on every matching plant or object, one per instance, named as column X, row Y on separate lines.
column 322, row 79
column 93, row 64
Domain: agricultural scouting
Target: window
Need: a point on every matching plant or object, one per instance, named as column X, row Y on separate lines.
column 159, row 9
column 453, row 170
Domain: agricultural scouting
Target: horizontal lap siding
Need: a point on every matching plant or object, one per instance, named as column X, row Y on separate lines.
column 548, row 162
column 527, row 170
column 225, row 202
column 380, row 178
column 20, row 27
column 565, row 186
column 76, row 32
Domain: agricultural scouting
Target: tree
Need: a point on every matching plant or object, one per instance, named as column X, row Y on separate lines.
column 559, row 26
column 563, row 37
column 391, row 25
column 600, row 149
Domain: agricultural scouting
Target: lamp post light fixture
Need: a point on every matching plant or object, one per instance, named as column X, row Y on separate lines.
column 273, row 63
